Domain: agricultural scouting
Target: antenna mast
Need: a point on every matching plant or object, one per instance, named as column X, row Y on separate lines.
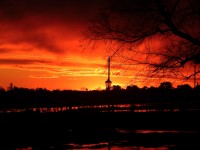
column 108, row 82
column 108, row 68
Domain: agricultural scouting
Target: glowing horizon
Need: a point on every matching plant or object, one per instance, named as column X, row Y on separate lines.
column 40, row 47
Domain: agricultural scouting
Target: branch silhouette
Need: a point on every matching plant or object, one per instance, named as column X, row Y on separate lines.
column 175, row 24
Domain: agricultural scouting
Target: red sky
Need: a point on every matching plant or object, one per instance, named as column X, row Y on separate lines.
column 40, row 46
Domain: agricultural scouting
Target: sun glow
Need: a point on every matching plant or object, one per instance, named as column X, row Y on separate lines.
column 42, row 49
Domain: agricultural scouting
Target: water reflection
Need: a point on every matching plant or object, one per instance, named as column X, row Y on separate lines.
column 153, row 131
column 98, row 147
column 47, row 128
column 139, row 148
column 124, row 139
column 101, row 108
column 105, row 146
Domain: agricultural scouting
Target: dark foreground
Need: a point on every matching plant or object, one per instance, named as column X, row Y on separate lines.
column 70, row 130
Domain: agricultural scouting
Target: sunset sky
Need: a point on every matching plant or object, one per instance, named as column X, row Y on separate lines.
column 40, row 46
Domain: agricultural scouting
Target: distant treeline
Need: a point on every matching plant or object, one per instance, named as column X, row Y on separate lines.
column 16, row 97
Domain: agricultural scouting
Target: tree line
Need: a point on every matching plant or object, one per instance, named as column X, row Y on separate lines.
column 17, row 97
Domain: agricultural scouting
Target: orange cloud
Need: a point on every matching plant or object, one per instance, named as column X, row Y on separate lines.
column 40, row 47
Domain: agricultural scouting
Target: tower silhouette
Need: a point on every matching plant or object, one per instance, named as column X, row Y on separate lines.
column 108, row 82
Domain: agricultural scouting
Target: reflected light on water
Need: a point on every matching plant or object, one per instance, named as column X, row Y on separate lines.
column 138, row 148
column 103, row 146
column 100, row 108
column 152, row 131
column 119, row 144
column 28, row 148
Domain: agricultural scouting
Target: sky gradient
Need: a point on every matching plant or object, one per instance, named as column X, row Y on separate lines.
column 40, row 46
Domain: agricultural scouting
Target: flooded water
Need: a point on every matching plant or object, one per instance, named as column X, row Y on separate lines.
column 106, row 146
column 92, row 147
column 121, row 139
column 100, row 127
column 103, row 108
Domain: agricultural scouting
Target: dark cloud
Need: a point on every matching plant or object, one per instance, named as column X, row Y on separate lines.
column 21, row 61
column 67, row 9
column 45, row 24
column 52, row 63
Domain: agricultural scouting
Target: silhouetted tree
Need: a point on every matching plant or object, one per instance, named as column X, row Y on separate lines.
column 171, row 26
column 2, row 89
column 10, row 87
column 184, row 87
column 132, row 88
column 26, row 98
column 197, row 87
column 116, row 88
column 144, row 88
column 166, row 85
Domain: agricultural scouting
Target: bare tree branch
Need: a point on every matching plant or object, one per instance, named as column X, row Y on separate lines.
column 174, row 23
